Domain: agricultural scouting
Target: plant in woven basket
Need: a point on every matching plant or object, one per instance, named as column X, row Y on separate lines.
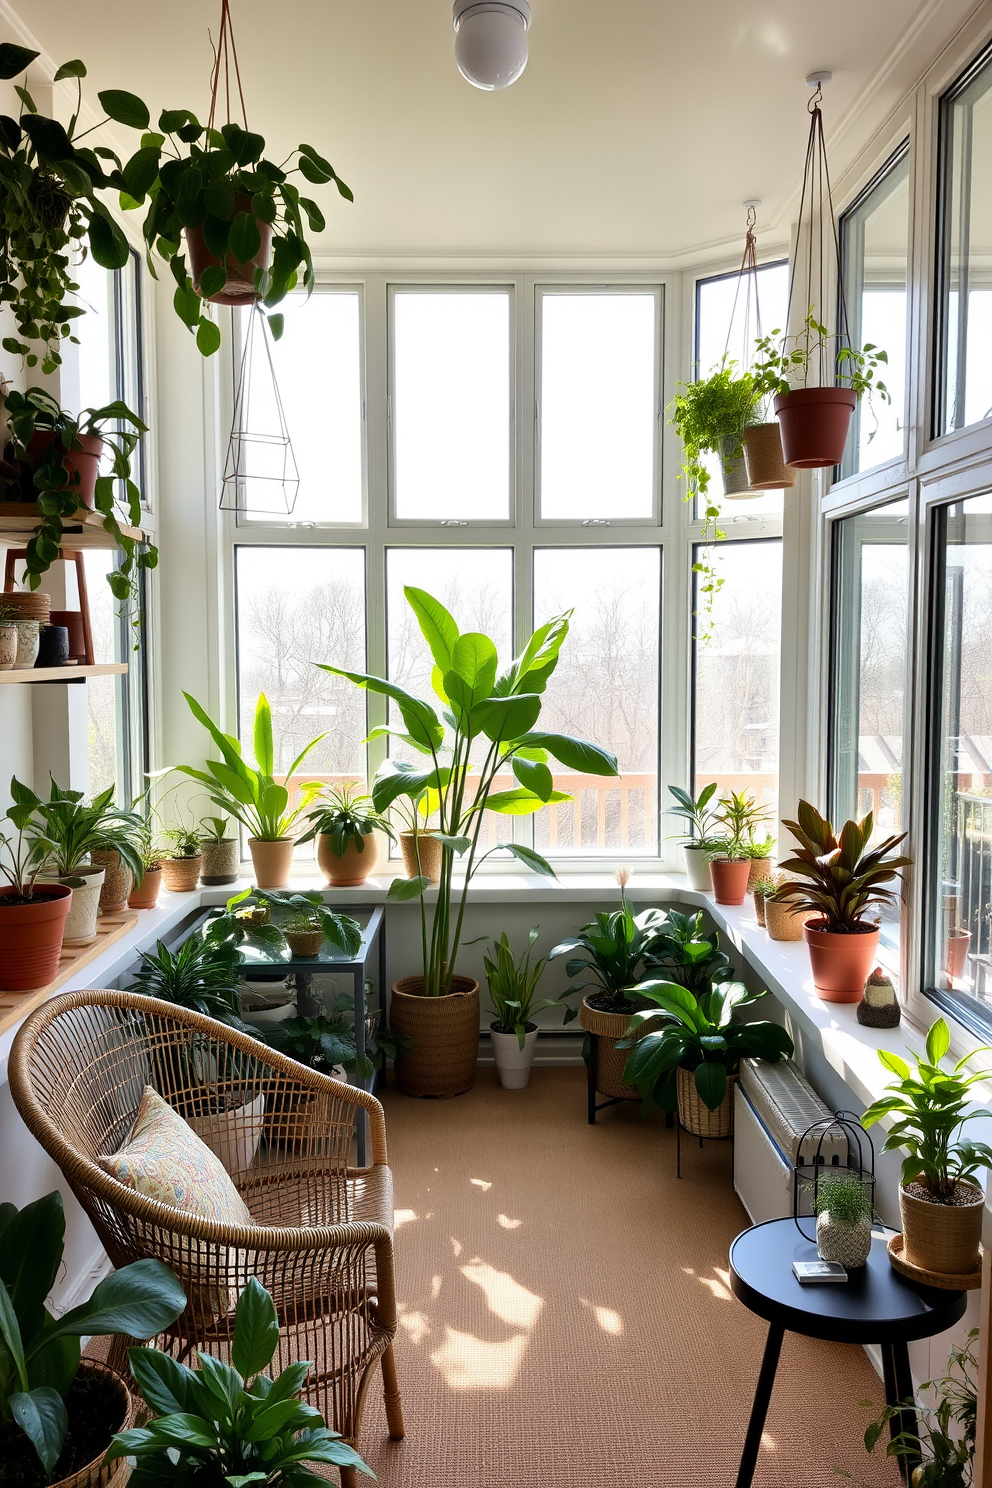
column 346, row 818
column 679, row 951
column 701, row 1034
column 214, row 829
column 41, row 1395
column 839, row 876
column 757, row 851
column 184, row 842
column 764, row 886
column 307, row 911
column 230, row 1424
column 843, row 1197
column 611, row 948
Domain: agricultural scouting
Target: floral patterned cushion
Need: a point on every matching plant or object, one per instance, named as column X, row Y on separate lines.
column 164, row 1159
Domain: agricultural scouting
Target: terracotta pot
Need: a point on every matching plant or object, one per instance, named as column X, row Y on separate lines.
column 221, row 861
column 240, row 286
column 766, row 467
column 95, row 1475
column 83, row 460
column 841, row 963
column 31, row 937
column 271, row 861
column 695, row 1116
column 118, row 881
column 608, row 1029
column 956, row 953
column 942, row 1237
column 73, row 622
column 145, row 894
column 730, row 876
column 8, row 646
column 697, row 866
column 181, row 875
column 814, row 424
column 353, row 866
column 304, row 942
column 782, row 923
column 86, row 884
column 760, row 868
column 443, row 1034
column 430, row 855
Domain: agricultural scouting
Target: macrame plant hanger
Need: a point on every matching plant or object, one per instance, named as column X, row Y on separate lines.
column 260, row 472
column 747, row 282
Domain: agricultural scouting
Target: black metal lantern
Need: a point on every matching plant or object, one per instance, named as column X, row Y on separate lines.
column 835, row 1145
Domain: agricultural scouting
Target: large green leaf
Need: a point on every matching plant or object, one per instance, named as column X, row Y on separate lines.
column 470, row 678
column 938, row 1041
column 438, row 626
column 528, row 857
column 521, row 802
column 534, row 777
column 14, row 59
column 41, row 1415
column 140, row 1300
column 575, row 754
column 407, row 888
column 508, row 718
column 262, row 737
column 124, row 108
column 108, row 244
column 164, row 1382
column 420, row 719
column 711, row 1082
column 31, row 1246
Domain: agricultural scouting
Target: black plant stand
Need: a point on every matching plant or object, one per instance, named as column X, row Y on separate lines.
column 875, row 1305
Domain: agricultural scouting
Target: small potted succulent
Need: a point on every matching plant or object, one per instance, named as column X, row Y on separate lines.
column 843, row 1219
column 738, row 815
column 182, row 859
column 343, row 825
column 221, row 853
column 32, row 914
column 841, row 880
column 940, row 1203
column 815, row 420
column 512, row 982
column 59, row 1411
column 701, row 839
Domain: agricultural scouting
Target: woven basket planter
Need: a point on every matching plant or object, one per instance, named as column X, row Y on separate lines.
column 697, row 1118
column 760, row 868
column 443, row 1034
column 607, row 1029
column 942, row 1238
column 94, row 1474
column 181, row 875
column 781, row 923
column 430, row 851
column 221, row 860
column 759, row 907
column 118, row 881
column 304, row 942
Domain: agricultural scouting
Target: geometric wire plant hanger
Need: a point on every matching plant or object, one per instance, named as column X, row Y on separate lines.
column 260, row 472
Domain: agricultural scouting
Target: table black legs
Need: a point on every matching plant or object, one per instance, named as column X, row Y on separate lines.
column 759, row 1410
column 899, row 1391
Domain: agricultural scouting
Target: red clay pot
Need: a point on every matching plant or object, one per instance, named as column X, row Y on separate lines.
column 73, row 622
column 82, row 460
column 730, row 876
column 841, row 963
column 814, row 424
column 31, row 937
column 240, row 286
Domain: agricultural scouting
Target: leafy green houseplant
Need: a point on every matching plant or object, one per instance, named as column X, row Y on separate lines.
column 680, row 951
column 686, row 1049
column 738, row 815
column 76, row 830
column 842, row 879
column 201, row 975
column 252, row 795
column 327, row 1041
column 946, row 1415
column 342, row 825
column 58, row 455
column 925, row 1110
column 701, row 836
column 512, row 981
column 181, row 858
column 242, row 215
column 230, row 1423
column 492, row 714
column 46, row 1392
column 32, row 914
column 237, row 924
column 50, row 211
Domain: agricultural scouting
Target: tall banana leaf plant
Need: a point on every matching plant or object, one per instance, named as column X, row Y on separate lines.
column 480, row 706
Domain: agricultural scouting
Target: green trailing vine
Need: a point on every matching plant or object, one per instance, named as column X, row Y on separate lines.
column 783, row 362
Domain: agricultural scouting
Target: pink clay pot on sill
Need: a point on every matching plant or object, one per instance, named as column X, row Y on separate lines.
column 841, row 964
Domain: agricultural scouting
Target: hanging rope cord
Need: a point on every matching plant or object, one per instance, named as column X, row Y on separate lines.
column 816, row 182
column 749, row 266
column 225, row 53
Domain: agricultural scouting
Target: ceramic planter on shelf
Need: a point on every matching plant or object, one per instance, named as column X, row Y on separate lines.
column 145, row 895
column 730, row 876
column 841, row 964
column 695, row 1116
column 221, row 861
column 513, row 1064
column 443, row 1034
column 28, row 633
column 608, row 1029
column 118, row 1406
column 430, row 855
column 31, row 937
column 181, row 875
column 73, row 622
column 815, row 424
column 8, row 647
column 352, row 867
column 697, row 866
column 83, row 460
column 118, row 881
column 86, row 884
column 764, row 459
column 240, row 287
column 272, row 861
column 840, row 1240
column 53, row 646
column 942, row 1238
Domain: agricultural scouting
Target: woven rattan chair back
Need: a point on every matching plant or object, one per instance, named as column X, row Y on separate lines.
column 321, row 1234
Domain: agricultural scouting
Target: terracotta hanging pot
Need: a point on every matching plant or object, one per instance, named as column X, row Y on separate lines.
column 814, row 424
column 31, row 936
column 841, row 963
column 240, row 286
column 83, row 460
column 765, row 460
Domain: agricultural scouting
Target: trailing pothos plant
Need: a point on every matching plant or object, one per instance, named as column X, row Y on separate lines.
column 487, row 715
column 52, row 479
column 221, row 182
column 50, row 211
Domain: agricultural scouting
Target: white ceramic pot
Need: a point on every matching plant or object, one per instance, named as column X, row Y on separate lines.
column 80, row 924
column 232, row 1135
column 8, row 647
column 512, row 1062
column 697, row 865
column 28, row 640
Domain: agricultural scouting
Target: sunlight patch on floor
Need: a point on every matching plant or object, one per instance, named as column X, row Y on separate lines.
column 456, row 1246
column 508, row 1223
column 480, row 1183
column 403, row 1216
column 435, row 1287
column 416, row 1326
column 511, row 1302
column 468, row 1363
column 719, row 1285
column 609, row 1320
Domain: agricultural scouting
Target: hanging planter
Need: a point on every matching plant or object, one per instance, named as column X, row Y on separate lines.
column 765, row 459
column 816, row 376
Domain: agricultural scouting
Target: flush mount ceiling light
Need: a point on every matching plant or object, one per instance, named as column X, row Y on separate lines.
column 491, row 41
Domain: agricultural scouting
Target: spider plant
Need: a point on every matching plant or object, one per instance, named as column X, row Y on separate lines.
column 200, row 975
column 346, row 817
column 512, row 982
column 77, row 829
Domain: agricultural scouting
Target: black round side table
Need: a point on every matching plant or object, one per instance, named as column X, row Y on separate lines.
column 875, row 1305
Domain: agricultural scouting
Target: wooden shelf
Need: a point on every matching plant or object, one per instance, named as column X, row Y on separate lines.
column 19, row 519
column 16, row 1005
column 64, row 673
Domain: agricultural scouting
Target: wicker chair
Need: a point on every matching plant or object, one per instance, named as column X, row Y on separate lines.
column 322, row 1242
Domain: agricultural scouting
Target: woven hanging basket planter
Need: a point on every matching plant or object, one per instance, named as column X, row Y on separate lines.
column 94, row 1474
column 765, row 461
column 697, row 1118
column 443, row 1034
column 607, row 1029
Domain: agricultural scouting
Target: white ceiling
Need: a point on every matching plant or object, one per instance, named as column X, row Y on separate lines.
column 636, row 132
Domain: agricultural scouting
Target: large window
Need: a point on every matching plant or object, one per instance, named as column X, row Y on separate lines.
column 869, row 671
column 875, row 253
column 964, row 381
column 961, row 868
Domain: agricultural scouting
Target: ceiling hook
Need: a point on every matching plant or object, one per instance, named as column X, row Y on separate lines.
column 752, row 217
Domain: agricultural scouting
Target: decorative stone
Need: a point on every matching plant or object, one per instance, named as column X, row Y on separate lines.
column 879, row 1007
